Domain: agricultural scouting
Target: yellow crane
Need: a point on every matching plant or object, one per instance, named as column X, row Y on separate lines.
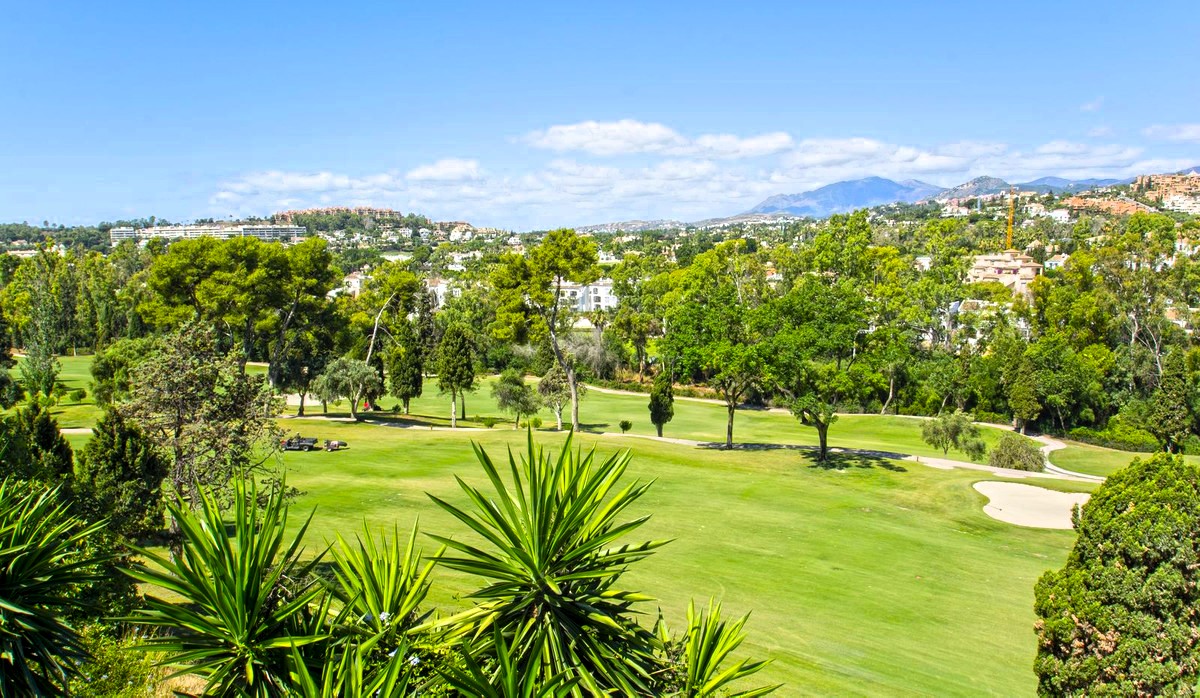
column 1012, row 195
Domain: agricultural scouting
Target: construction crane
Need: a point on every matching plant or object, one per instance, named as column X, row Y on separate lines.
column 1012, row 195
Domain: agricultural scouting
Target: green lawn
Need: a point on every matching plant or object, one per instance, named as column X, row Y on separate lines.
column 882, row 579
column 878, row 578
column 1096, row 460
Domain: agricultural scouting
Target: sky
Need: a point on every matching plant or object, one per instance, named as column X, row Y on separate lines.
column 537, row 115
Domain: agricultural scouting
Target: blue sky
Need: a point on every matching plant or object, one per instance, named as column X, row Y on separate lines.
column 548, row 114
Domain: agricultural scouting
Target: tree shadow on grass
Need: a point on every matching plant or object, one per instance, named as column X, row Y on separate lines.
column 838, row 459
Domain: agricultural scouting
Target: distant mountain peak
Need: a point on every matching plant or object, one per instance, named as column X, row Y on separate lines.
column 841, row 197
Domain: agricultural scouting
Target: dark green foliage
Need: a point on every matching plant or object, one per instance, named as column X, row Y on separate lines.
column 10, row 391
column 113, row 368
column 1120, row 618
column 1171, row 413
column 1016, row 453
column 662, row 401
column 42, row 565
column 406, row 366
column 36, row 450
column 455, row 366
column 625, row 425
column 120, row 477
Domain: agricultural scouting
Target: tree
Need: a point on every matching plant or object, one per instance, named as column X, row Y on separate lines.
column 818, row 355
column 213, row 422
column 455, row 367
column 1119, row 618
column 713, row 334
column 514, row 395
column 10, row 391
column 38, row 449
column 406, row 366
column 1016, row 452
column 43, row 562
column 531, row 296
column 348, row 378
column 111, row 368
column 556, row 393
column 119, row 477
column 1172, row 405
column 954, row 430
column 1022, row 396
column 42, row 332
column 662, row 401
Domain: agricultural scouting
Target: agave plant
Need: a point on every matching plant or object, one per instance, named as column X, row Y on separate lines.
column 705, row 647
column 380, row 584
column 248, row 600
column 348, row 672
column 40, row 564
column 551, row 556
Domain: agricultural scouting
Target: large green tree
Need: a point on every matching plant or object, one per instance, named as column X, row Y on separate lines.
column 532, row 300
column 119, row 477
column 1120, row 617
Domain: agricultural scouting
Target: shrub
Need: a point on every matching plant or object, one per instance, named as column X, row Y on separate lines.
column 1121, row 437
column 488, row 422
column 114, row 669
column 1119, row 618
column 625, row 425
column 536, row 422
column 1016, row 452
column 77, row 395
column 41, row 567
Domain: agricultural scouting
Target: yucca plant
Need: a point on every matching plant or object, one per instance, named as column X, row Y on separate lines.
column 550, row 551
column 247, row 599
column 703, row 652
column 380, row 584
column 504, row 677
column 41, row 562
column 348, row 672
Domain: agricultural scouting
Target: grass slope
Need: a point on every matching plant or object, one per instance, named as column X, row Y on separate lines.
column 875, row 580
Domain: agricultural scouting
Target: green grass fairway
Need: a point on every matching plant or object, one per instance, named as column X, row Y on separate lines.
column 1096, row 460
column 882, row 579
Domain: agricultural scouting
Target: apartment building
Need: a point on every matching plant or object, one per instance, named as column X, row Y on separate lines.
column 282, row 233
column 1013, row 269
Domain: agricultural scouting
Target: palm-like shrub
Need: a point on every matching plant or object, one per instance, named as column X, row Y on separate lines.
column 703, row 651
column 249, row 602
column 41, row 564
column 553, row 561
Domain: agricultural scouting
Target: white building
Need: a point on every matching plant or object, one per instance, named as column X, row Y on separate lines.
column 441, row 289
column 949, row 211
column 585, row 298
column 1182, row 204
column 225, row 232
column 1056, row 262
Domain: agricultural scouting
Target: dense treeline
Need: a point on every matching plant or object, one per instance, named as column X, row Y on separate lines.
column 823, row 318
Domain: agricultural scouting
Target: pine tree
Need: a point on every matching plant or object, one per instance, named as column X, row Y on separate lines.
column 455, row 367
column 120, row 477
column 406, row 367
column 662, row 401
column 1171, row 414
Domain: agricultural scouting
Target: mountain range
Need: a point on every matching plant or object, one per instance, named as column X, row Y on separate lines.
column 841, row 197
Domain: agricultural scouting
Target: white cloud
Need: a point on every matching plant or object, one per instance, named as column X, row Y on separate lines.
column 1101, row 132
column 629, row 137
column 446, row 170
column 1093, row 105
column 1181, row 133
column 607, row 137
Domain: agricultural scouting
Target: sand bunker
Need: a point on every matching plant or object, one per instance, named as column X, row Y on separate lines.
column 1026, row 505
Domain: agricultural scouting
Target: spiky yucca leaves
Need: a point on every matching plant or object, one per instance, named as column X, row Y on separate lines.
column 552, row 558
column 246, row 596
column 380, row 584
column 41, row 563
column 703, row 652
column 505, row 679
column 348, row 672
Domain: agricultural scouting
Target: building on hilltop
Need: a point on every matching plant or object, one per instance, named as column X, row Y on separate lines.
column 1011, row 268
column 1159, row 187
column 1182, row 204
